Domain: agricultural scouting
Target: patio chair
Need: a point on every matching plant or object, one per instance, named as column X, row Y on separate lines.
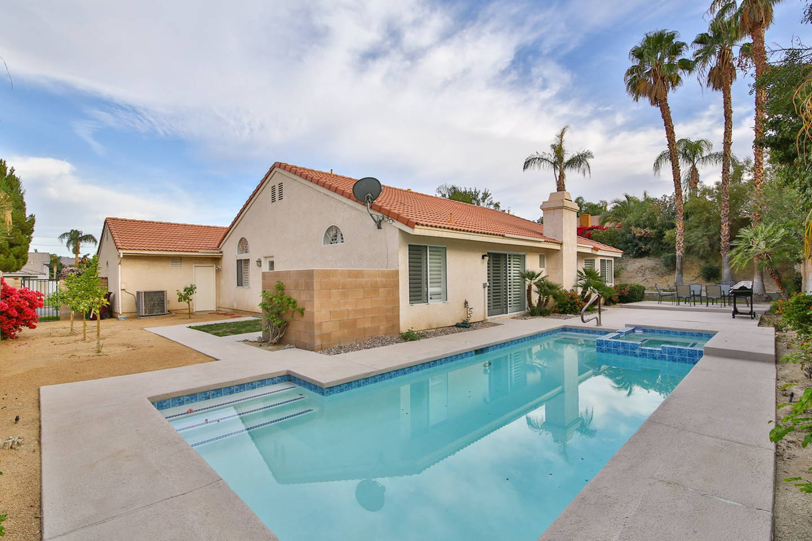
column 696, row 292
column 684, row 293
column 713, row 293
column 664, row 294
column 725, row 293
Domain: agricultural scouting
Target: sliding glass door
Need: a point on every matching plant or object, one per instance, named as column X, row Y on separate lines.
column 505, row 284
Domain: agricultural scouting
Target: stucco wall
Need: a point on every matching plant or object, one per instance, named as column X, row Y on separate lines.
column 291, row 231
column 108, row 267
column 342, row 306
column 467, row 271
column 150, row 273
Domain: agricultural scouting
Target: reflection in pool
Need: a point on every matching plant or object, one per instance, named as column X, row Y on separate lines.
column 490, row 447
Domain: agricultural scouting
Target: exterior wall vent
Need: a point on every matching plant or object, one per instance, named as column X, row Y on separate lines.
column 151, row 303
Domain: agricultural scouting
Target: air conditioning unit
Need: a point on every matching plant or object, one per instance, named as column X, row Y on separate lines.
column 151, row 303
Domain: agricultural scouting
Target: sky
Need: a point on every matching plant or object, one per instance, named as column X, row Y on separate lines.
column 174, row 111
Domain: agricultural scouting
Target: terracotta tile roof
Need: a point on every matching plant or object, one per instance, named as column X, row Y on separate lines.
column 599, row 245
column 145, row 235
column 413, row 208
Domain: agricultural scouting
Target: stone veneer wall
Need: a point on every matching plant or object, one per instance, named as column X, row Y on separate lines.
column 342, row 306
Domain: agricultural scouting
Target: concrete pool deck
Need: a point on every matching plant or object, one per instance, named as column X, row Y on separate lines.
column 700, row 467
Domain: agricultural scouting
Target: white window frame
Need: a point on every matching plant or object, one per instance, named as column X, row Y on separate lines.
column 244, row 263
column 428, row 278
column 340, row 236
column 543, row 261
column 609, row 274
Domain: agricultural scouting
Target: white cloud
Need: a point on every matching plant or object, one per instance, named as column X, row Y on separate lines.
column 61, row 200
column 411, row 91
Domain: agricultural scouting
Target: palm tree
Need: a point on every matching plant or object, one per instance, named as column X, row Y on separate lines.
column 591, row 280
column 753, row 18
column 657, row 68
column 546, row 290
column 692, row 156
column 713, row 55
column 621, row 209
column 530, row 277
column 559, row 162
column 764, row 243
column 74, row 239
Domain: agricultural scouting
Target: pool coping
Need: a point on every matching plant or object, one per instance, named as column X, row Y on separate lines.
column 111, row 464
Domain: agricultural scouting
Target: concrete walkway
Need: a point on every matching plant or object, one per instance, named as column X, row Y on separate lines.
column 701, row 467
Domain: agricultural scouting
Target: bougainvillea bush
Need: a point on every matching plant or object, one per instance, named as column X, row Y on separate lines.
column 18, row 309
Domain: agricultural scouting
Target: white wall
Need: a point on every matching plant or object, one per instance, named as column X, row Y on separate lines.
column 291, row 231
column 108, row 266
column 153, row 273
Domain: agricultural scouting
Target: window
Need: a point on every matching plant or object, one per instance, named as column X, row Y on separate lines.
column 607, row 271
column 270, row 265
column 176, row 262
column 333, row 235
column 589, row 264
column 243, row 273
column 542, row 261
column 427, row 274
column 242, row 246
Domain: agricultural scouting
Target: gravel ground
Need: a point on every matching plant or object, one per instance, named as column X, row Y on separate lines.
column 388, row 340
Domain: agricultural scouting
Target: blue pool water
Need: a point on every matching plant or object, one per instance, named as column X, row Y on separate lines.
column 489, row 447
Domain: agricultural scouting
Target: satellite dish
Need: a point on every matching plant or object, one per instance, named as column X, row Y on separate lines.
column 367, row 189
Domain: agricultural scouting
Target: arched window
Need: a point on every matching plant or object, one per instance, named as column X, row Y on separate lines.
column 333, row 235
column 242, row 246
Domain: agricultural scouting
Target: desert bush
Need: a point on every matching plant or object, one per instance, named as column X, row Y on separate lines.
column 710, row 272
column 18, row 309
column 278, row 310
column 797, row 312
column 669, row 261
column 630, row 292
column 410, row 336
column 611, row 236
column 537, row 311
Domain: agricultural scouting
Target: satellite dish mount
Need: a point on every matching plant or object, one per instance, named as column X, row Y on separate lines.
column 367, row 191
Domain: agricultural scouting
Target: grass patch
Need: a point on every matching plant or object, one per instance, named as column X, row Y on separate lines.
column 44, row 319
column 233, row 327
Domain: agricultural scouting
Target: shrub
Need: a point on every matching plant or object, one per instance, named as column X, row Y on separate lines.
column 611, row 236
column 797, row 312
column 537, row 311
column 569, row 301
column 669, row 261
column 710, row 272
column 18, row 309
column 630, row 292
column 278, row 310
column 410, row 336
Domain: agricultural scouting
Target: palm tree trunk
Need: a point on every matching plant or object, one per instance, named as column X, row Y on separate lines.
column 727, row 272
column 76, row 256
column 98, row 332
column 694, row 185
column 665, row 111
column 560, row 185
column 760, row 61
column 776, row 276
column 84, row 327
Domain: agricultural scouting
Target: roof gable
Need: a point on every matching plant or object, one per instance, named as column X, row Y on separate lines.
column 152, row 236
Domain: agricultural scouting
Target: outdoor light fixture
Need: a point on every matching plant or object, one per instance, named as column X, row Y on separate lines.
column 259, row 262
column 484, row 256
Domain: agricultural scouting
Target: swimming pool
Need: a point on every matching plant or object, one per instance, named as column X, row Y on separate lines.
column 490, row 446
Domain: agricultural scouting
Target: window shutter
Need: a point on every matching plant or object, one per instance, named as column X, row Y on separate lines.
column 607, row 271
column 516, row 290
column 542, row 261
column 437, row 274
column 589, row 264
column 246, row 273
column 239, row 272
column 418, row 281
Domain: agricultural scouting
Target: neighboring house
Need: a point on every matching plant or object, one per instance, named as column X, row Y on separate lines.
column 431, row 263
column 67, row 261
column 138, row 255
column 36, row 268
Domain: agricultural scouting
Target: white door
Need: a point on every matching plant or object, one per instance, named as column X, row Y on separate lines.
column 206, row 294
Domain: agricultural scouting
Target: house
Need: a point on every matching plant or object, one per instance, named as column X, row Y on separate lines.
column 36, row 268
column 139, row 255
column 431, row 263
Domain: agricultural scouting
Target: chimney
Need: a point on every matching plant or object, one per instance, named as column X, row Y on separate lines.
column 561, row 223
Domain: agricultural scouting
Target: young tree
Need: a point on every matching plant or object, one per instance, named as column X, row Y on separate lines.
column 84, row 293
column 658, row 64
column 560, row 161
column 715, row 60
column 278, row 310
column 74, row 239
column 17, row 225
column 187, row 295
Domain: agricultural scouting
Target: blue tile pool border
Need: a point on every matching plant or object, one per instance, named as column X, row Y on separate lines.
column 676, row 356
column 610, row 343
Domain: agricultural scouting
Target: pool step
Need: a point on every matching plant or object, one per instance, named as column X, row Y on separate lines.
column 237, row 425
column 227, row 413
column 181, row 411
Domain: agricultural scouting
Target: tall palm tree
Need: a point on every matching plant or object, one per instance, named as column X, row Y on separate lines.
column 74, row 239
column 693, row 154
column 753, row 18
column 715, row 61
column 657, row 68
column 558, row 160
